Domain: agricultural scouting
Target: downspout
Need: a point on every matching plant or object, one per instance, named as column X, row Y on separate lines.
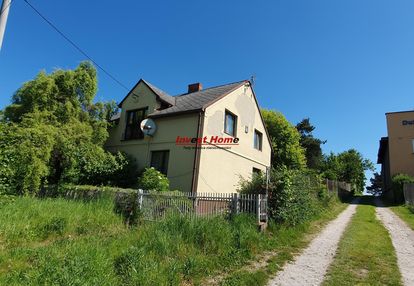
column 197, row 153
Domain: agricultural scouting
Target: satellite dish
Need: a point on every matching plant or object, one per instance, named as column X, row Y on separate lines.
column 148, row 127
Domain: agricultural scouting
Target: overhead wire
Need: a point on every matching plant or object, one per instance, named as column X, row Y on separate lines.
column 76, row 46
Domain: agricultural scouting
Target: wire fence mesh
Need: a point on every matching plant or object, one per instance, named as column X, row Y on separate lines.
column 155, row 205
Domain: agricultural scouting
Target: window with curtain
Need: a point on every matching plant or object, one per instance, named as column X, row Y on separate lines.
column 230, row 123
column 133, row 121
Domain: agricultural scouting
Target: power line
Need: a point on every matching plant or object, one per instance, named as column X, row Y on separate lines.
column 5, row 8
column 75, row 45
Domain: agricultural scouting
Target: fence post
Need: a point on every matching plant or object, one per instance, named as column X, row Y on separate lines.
column 235, row 203
column 140, row 198
column 259, row 196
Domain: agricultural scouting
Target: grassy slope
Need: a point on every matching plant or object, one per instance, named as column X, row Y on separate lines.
column 288, row 242
column 365, row 255
column 405, row 214
column 55, row 241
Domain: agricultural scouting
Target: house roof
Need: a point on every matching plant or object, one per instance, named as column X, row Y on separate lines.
column 197, row 101
column 404, row 111
column 382, row 149
column 162, row 95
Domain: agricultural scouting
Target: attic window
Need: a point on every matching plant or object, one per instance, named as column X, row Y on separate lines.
column 132, row 127
column 230, row 123
column 258, row 138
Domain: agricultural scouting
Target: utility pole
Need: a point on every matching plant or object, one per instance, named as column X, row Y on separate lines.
column 4, row 12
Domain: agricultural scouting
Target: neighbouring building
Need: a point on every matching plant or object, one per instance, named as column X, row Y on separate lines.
column 205, row 139
column 396, row 152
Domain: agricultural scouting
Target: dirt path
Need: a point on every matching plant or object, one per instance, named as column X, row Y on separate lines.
column 310, row 267
column 402, row 237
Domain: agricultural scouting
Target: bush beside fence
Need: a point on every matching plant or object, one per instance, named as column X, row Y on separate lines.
column 151, row 205
column 156, row 205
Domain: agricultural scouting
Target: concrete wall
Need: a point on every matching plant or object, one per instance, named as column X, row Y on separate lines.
column 181, row 160
column 220, row 169
column 400, row 138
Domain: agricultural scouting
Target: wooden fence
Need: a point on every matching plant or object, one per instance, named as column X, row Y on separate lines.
column 409, row 193
column 154, row 206
column 342, row 189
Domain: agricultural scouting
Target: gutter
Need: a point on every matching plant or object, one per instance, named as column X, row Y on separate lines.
column 197, row 153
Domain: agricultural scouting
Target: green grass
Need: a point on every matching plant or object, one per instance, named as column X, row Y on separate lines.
column 55, row 241
column 288, row 241
column 62, row 242
column 405, row 213
column 365, row 255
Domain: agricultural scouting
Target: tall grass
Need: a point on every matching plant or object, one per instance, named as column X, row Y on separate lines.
column 32, row 220
column 60, row 242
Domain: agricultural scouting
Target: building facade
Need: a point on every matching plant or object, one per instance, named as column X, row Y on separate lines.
column 206, row 140
column 396, row 152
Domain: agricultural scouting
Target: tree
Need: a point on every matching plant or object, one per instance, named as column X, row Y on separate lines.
column 53, row 133
column 377, row 184
column 285, row 139
column 312, row 145
column 348, row 166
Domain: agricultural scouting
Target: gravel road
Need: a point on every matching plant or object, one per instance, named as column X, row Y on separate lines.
column 402, row 237
column 309, row 268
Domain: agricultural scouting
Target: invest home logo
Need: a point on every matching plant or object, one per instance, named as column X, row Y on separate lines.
column 213, row 142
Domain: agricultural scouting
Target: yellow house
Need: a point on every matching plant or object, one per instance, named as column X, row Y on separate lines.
column 205, row 139
column 396, row 152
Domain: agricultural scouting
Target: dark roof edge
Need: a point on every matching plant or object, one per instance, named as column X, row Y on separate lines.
column 175, row 113
column 132, row 89
column 225, row 94
column 404, row 111
column 261, row 117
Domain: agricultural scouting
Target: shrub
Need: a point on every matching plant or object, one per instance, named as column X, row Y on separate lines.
column 257, row 184
column 153, row 180
column 124, row 177
column 294, row 195
column 398, row 182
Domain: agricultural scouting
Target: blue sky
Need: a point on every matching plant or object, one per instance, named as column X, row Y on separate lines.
column 341, row 63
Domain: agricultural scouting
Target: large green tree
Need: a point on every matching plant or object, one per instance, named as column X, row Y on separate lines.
column 348, row 166
column 285, row 139
column 52, row 132
column 377, row 184
column 312, row 145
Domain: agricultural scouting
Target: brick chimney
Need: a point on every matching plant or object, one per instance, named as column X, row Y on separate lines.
column 194, row 87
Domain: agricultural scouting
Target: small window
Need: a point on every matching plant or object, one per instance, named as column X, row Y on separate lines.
column 133, row 121
column 230, row 123
column 159, row 160
column 258, row 137
column 256, row 172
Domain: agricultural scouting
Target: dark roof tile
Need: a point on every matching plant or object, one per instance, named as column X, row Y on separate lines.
column 195, row 101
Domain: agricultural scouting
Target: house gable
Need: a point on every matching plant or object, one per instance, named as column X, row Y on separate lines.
column 246, row 104
column 139, row 97
column 222, row 167
column 162, row 97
